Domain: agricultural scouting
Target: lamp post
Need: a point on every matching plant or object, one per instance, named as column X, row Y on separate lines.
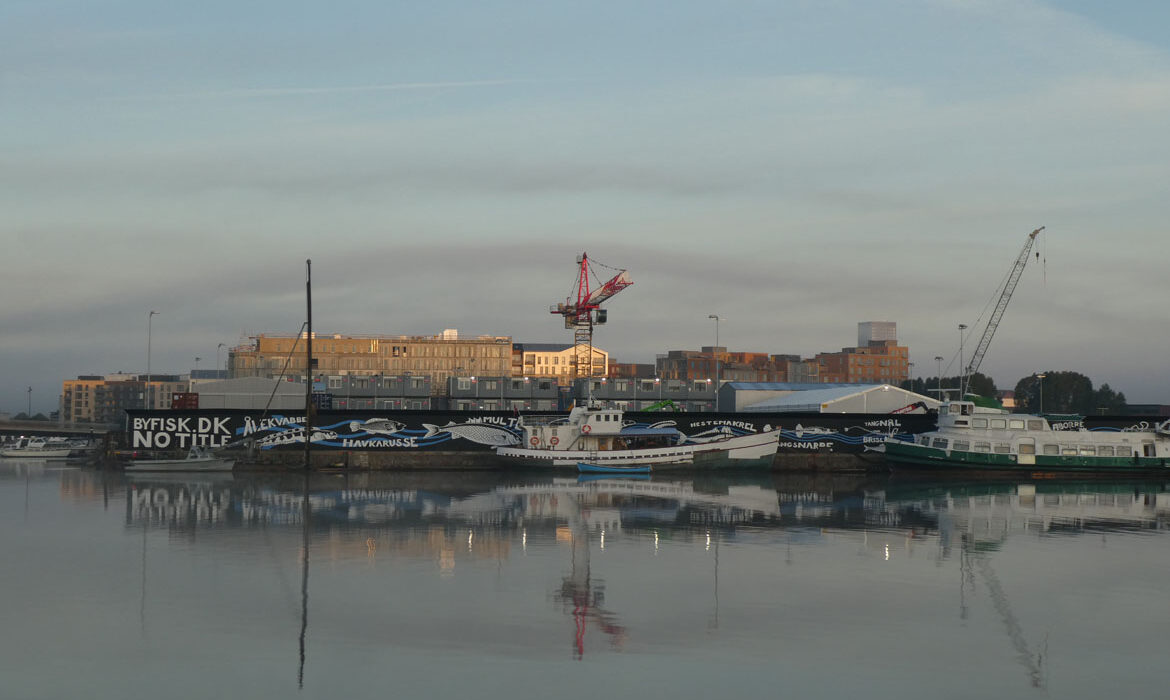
column 1041, row 382
column 29, row 414
column 219, row 347
column 910, row 374
column 715, row 352
column 377, row 381
column 938, row 359
column 197, row 359
column 962, row 369
column 146, row 394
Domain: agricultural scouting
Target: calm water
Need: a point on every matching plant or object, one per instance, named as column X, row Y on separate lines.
column 486, row 586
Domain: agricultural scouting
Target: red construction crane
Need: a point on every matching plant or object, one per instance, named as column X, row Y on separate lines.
column 581, row 315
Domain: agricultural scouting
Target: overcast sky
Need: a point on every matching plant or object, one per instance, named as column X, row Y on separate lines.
column 794, row 167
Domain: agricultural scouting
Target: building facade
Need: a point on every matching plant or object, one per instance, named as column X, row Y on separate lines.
column 557, row 361
column 103, row 398
column 437, row 357
column 880, row 362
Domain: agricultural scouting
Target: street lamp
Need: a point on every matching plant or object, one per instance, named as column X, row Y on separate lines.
column 938, row 359
column 1041, row 377
column 149, row 318
column 377, row 381
column 715, row 352
column 962, row 369
column 29, row 414
column 219, row 347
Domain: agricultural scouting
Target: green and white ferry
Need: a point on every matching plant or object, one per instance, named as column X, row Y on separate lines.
column 974, row 437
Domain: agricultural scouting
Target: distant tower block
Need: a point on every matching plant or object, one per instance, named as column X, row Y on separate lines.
column 876, row 330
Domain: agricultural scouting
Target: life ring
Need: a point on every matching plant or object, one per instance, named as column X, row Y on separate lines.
column 535, row 441
column 586, row 428
column 553, row 441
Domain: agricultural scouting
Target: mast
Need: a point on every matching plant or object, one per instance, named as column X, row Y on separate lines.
column 308, row 359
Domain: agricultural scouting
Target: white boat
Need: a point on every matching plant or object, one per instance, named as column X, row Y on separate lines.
column 35, row 448
column 198, row 459
column 972, row 437
column 596, row 435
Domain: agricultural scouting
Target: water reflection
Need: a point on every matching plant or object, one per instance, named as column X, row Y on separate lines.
column 526, row 563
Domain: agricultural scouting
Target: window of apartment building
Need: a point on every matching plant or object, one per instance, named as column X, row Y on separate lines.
column 463, row 383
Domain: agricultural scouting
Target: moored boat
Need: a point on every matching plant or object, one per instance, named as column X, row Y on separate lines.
column 599, row 436
column 198, row 459
column 35, row 448
column 973, row 437
column 586, row 468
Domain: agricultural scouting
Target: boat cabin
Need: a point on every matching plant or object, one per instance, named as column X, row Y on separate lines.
column 591, row 428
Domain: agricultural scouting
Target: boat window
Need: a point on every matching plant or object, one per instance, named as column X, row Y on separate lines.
column 966, row 410
column 1068, row 451
column 1052, row 449
column 1148, row 448
column 978, row 422
column 1003, row 448
column 940, row 443
column 1015, row 424
column 924, row 440
column 955, row 409
column 983, row 447
column 961, row 445
column 1088, row 450
column 998, row 424
column 1105, row 451
column 1035, row 425
column 1027, row 448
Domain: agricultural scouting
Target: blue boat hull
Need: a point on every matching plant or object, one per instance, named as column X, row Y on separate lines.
column 586, row 468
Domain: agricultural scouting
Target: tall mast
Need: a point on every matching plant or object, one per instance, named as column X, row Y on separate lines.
column 308, row 359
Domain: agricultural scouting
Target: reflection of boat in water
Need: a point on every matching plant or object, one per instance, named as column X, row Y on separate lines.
column 599, row 436
column 972, row 437
column 198, row 459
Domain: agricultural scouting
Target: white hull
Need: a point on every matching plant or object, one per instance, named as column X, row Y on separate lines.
column 213, row 464
column 729, row 452
column 34, row 453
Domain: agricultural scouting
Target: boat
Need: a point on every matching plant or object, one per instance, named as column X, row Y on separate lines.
column 586, row 468
column 973, row 437
column 35, row 448
column 595, row 435
column 198, row 459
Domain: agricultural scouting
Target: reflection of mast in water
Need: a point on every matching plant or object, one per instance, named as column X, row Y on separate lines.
column 1033, row 663
column 305, row 515
column 578, row 591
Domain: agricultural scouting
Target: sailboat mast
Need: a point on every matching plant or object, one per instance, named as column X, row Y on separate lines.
column 308, row 359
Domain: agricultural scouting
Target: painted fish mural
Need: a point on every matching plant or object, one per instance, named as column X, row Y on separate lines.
column 482, row 433
column 287, row 437
column 376, row 426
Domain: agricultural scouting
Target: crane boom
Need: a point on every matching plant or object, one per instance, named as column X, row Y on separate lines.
column 1001, row 305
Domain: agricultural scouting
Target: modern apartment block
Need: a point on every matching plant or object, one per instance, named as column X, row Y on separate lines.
column 103, row 398
column 557, row 361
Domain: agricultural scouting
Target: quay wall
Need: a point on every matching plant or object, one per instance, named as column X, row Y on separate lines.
column 405, row 440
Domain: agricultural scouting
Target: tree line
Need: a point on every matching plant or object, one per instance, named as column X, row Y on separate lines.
column 1055, row 392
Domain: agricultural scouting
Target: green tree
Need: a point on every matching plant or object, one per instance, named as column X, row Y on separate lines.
column 1066, row 392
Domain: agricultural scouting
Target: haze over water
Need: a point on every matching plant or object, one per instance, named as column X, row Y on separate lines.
column 527, row 585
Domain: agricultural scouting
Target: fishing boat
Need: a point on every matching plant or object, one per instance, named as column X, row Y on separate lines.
column 35, row 448
column 974, row 437
column 586, row 468
column 198, row 459
column 598, row 436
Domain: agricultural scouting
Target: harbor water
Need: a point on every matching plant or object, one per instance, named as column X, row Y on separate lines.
column 517, row 585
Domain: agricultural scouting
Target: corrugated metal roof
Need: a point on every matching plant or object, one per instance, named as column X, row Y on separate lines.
column 812, row 400
column 788, row 386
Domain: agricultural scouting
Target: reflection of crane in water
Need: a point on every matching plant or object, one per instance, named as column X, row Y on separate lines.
column 1033, row 663
column 579, row 594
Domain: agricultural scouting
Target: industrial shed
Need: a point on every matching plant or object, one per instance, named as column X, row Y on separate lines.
column 856, row 398
column 252, row 392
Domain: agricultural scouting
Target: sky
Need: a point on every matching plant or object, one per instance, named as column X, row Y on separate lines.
column 792, row 167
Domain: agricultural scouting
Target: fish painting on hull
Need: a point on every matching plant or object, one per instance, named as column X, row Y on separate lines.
column 376, row 426
column 482, row 433
column 293, row 435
